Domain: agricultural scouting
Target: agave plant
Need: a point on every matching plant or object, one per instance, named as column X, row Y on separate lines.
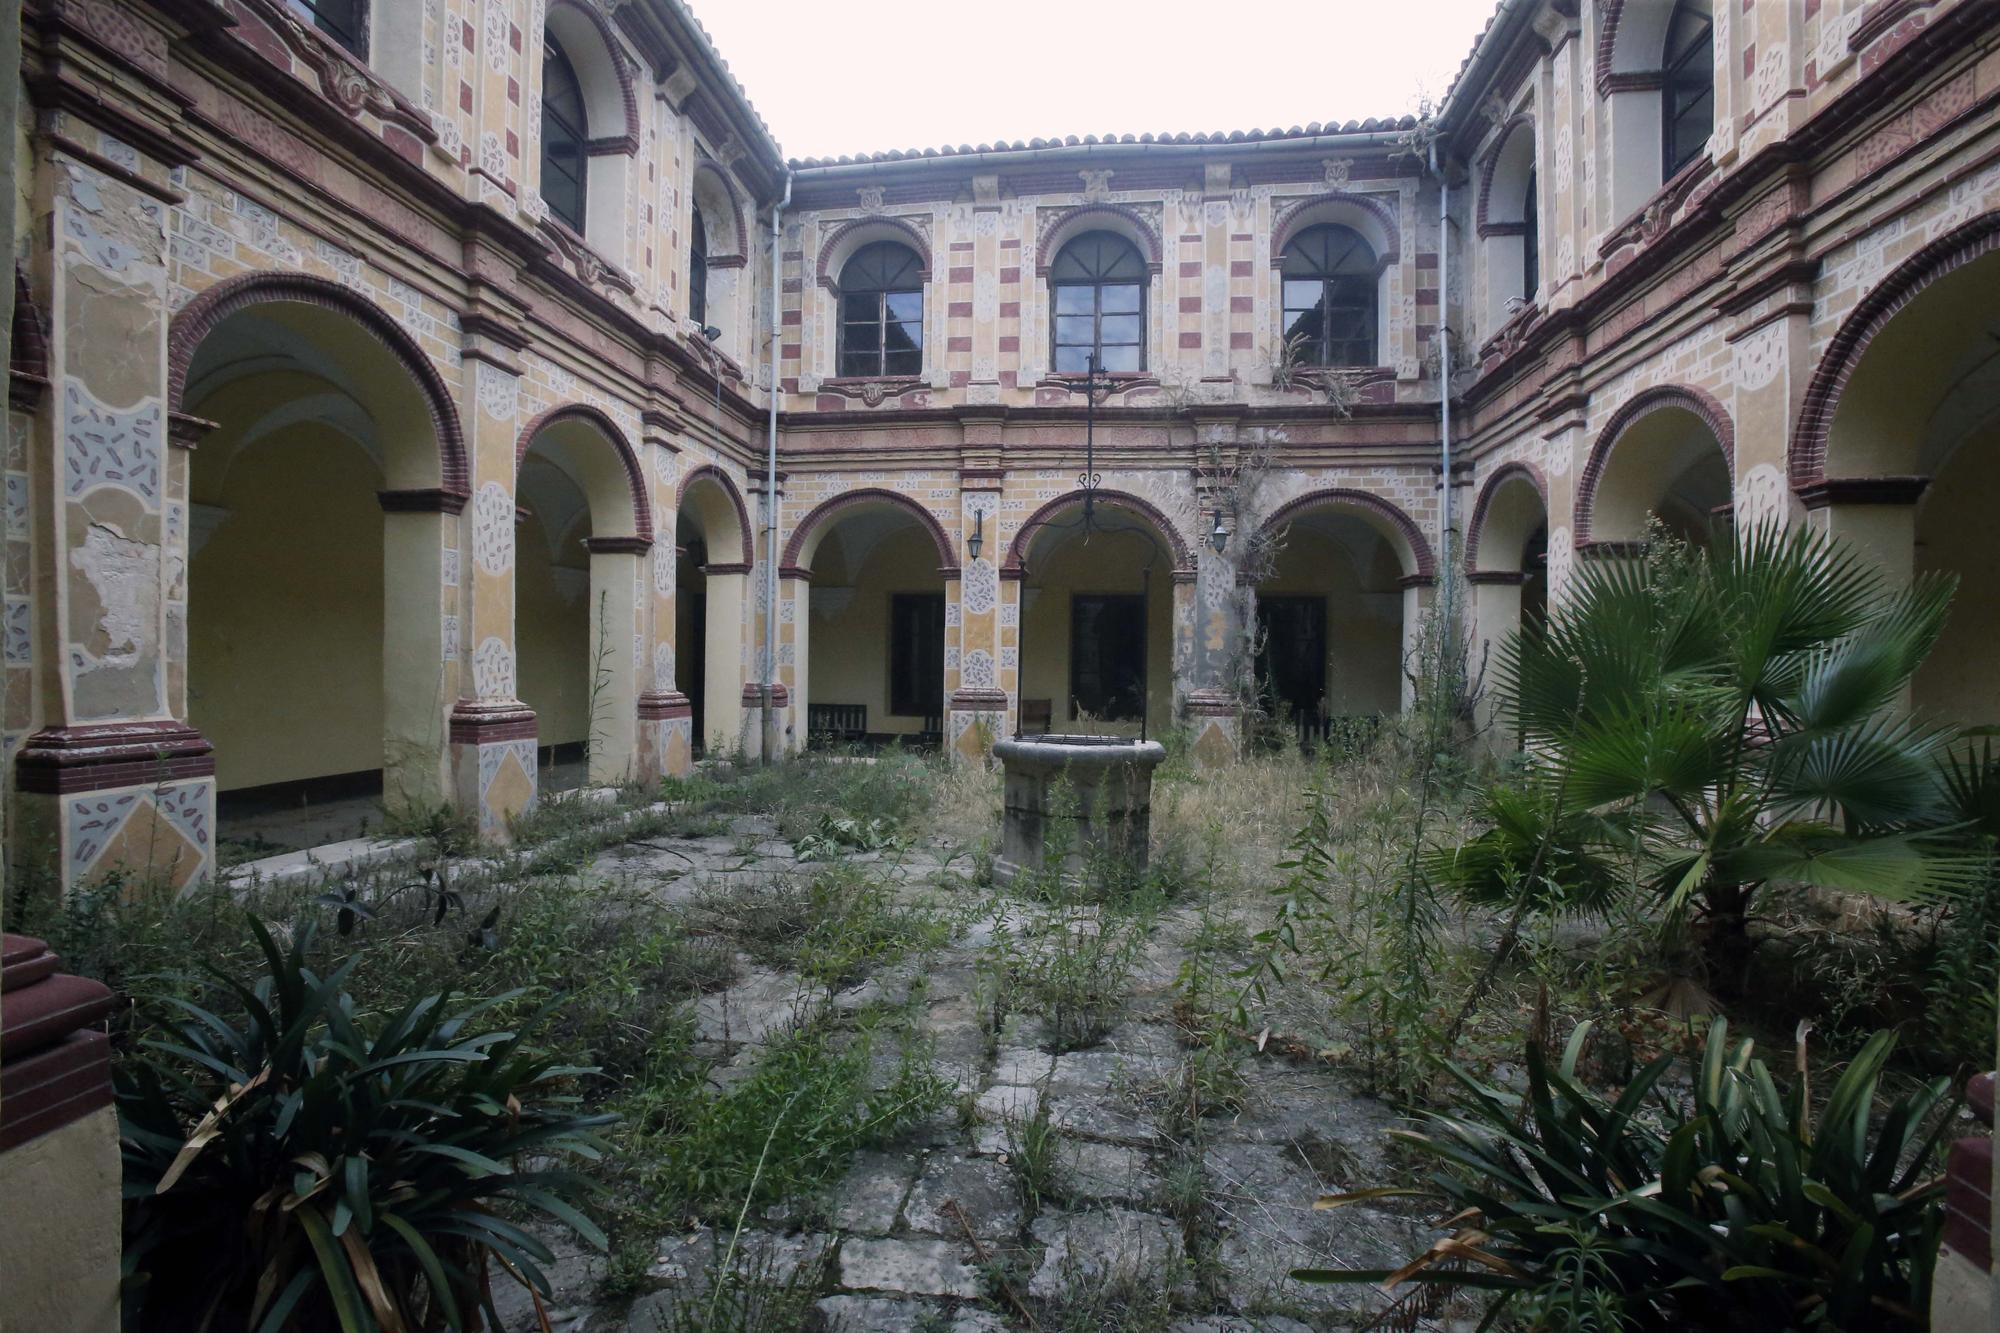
column 1703, row 724
column 302, row 1168
column 1732, row 1210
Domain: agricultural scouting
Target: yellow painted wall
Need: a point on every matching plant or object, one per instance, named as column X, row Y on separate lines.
column 1364, row 617
column 285, row 610
column 1954, row 533
column 848, row 660
column 1108, row 563
column 552, row 635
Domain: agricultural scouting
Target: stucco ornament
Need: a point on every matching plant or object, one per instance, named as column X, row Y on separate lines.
column 493, row 529
column 493, row 669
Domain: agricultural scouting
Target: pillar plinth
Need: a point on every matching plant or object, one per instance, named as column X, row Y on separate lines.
column 666, row 734
column 493, row 759
column 128, row 798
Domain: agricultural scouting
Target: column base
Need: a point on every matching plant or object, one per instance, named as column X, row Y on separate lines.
column 751, row 737
column 493, row 762
column 1216, row 720
column 133, row 799
column 666, row 735
column 977, row 719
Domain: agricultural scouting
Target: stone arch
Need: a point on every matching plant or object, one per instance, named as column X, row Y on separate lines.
column 850, row 236
column 1389, row 519
column 1015, row 566
column 829, row 511
column 1114, row 218
column 710, row 472
column 1807, row 454
column 1373, row 219
column 1503, row 476
column 722, row 213
column 1645, row 403
column 614, row 100
column 601, row 425
column 1490, row 167
column 205, row 312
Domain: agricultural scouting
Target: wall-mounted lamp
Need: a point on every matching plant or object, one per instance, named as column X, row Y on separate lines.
column 710, row 332
column 1218, row 536
column 978, row 537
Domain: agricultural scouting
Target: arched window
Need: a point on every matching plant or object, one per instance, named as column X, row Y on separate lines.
column 698, row 271
column 341, row 20
column 1531, row 242
column 882, row 311
column 1330, row 303
column 1099, row 287
column 1688, row 115
column 564, row 133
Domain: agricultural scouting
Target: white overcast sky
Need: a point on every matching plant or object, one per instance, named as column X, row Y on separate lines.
column 834, row 77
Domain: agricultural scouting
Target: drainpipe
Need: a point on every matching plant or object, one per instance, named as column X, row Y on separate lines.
column 770, row 690
column 1444, row 380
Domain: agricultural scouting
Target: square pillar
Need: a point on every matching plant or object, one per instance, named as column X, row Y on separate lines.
column 981, row 627
column 617, row 643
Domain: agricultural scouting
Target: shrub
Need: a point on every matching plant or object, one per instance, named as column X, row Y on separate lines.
column 303, row 1168
column 1737, row 1211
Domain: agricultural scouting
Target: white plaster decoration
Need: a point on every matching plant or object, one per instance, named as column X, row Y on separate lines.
column 494, row 39
column 448, row 566
column 186, row 806
column 105, row 446
column 1760, row 496
column 951, row 615
column 979, row 585
column 1009, row 658
column 663, row 568
column 19, row 637
column 450, row 638
column 94, row 820
column 951, row 659
column 499, row 392
column 492, row 756
column 977, row 670
column 493, row 529
column 17, row 504
column 663, row 667
column 1562, row 559
column 493, row 669
column 109, row 253
column 1760, row 355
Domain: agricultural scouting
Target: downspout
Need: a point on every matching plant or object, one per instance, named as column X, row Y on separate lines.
column 1444, row 382
column 770, row 690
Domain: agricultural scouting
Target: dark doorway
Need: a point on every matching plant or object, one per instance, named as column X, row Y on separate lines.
column 694, row 651
column 1291, row 653
column 916, row 654
column 1107, row 656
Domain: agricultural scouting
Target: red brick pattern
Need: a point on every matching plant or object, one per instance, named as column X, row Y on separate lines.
column 603, row 425
column 1665, row 397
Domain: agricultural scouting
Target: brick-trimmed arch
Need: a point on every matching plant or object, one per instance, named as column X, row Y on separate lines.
column 1072, row 223
column 1490, row 163
column 828, row 511
column 1015, row 566
column 1665, row 397
column 740, row 256
column 1344, row 497
column 1302, row 213
column 903, row 234
column 201, row 316
column 597, row 420
column 708, row 471
column 1806, row 461
column 627, row 143
column 1475, row 528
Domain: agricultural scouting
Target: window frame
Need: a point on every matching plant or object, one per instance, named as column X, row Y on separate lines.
column 697, row 268
column 1136, row 644
column 1677, row 95
column 1096, row 286
column 1328, row 276
column 1531, row 240
column 881, row 321
column 910, row 661
column 552, row 50
column 308, row 11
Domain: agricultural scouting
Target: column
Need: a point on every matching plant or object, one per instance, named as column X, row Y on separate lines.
column 1212, row 667
column 492, row 751
column 111, row 779
column 665, row 715
column 617, row 646
column 795, row 645
column 1419, row 595
column 982, row 621
column 1495, row 616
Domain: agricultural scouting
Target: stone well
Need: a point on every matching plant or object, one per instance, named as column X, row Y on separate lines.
column 1110, row 798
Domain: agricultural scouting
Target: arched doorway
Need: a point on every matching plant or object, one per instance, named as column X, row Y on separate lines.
column 1097, row 615
column 1666, row 457
column 584, row 529
column 1337, row 607
column 320, row 505
column 1507, row 566
column 1898, row 450
column 712, row 574
column 867, row 572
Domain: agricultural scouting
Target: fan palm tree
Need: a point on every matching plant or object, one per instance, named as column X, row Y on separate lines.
column 1704, row 722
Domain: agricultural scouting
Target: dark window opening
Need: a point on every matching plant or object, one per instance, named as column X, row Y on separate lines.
column 1291, row 654
column 564, row 133
column 1688, row 114
column 1107, row 657
column 698, row 271
column 343, row 20
column 916, row 654
column 1097, row 289
column 882, row 311
column 1329, row 277
column 1531, row 243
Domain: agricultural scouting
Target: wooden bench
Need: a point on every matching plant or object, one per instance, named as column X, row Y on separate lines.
column 837, row 724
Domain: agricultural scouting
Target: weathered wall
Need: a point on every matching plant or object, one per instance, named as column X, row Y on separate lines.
column 59, row 1233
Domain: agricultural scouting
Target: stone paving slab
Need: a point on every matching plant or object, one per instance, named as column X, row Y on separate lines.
column 986, row 1193
column 1114, row 1246
column 879, row 1314
column 870, row 1198
column 911, row 1267
column 1107, row 1172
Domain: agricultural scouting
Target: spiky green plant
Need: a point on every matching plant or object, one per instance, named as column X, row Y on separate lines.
column 302, row 1167
column 1732, row 1209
